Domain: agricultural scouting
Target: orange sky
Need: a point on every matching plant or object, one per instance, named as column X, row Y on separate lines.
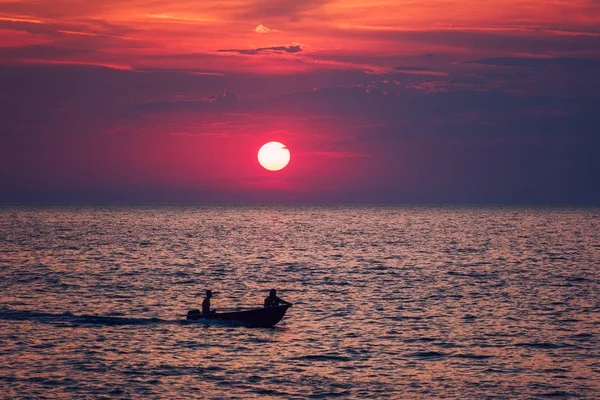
column 145, row 34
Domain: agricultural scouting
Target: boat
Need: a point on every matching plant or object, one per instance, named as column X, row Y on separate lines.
column 255, row 318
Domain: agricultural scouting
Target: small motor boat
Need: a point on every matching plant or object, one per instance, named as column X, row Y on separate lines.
column 255, row 318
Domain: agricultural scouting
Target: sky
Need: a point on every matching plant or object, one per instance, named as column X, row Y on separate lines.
column 378, row 101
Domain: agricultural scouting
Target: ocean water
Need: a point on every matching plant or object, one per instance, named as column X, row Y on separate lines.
column 389, row 302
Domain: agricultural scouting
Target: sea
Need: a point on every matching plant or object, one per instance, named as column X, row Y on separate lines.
column 389, row 302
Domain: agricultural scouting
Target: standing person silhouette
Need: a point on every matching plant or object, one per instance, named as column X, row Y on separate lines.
column 273, row 301
column 206, row 303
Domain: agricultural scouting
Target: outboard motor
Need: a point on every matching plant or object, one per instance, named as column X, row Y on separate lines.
column 194, row 314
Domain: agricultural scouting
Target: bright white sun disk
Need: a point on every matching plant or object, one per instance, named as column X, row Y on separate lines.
column 274, row 156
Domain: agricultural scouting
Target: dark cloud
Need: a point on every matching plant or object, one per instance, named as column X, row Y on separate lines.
column 374, row 102
column 94, row 27
column 273, row 49
column 411, row 68
column 537, row 63
column 292, row 10
column 40, row 52
column 489, row 40
column 59, row 8
column 227, row 101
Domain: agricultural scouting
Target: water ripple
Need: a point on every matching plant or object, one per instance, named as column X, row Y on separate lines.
column 390, row 302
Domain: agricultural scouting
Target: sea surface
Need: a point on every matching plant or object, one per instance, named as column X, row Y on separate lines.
column 389, row 302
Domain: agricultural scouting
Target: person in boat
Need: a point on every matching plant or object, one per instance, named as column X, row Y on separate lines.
column 206, row 303
column 273, row 301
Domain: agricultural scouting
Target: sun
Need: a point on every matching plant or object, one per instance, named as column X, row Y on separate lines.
column 274, row 156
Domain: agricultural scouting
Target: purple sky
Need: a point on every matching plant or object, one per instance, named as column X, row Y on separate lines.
column 139, row 101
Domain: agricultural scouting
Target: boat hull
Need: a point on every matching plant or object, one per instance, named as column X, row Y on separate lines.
column 255, row 318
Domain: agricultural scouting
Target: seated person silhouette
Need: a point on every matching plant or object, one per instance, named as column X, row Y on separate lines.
column 273, row 301
column 206, row 303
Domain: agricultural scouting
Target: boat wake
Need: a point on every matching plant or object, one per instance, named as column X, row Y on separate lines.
column 71, row 319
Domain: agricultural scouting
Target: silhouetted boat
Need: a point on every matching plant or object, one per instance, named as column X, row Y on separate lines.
column 256, row 317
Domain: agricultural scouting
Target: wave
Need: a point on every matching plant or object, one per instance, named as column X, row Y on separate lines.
column 322, row 357
column 543, row 345
column 427, row 354
column 472, row 356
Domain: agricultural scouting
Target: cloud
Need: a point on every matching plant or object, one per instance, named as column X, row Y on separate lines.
column 263, row 29
column 419, row 71
column 274, row 49
column 224, row 102
column 23, row 20
column 489, row 40
column 462, row 83
column 407, row 68
column 47, row 52
column 227, row 97
column 293, row 10
column 538, row 63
